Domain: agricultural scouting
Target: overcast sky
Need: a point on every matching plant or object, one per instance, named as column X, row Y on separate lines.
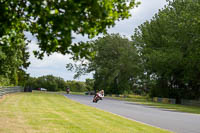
column 56, row 63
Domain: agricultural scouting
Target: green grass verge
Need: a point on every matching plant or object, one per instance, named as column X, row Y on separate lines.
column 40, row 112
column 62, row 92
column 145, row 100
column 77, row 93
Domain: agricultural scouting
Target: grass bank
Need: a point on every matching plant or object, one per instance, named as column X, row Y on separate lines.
column 147, row 101
column 41, row 112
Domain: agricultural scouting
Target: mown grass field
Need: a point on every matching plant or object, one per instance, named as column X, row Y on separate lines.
column 145, row 100
column 52, row 113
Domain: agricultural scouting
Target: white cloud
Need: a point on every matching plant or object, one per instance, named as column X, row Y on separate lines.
column 54, row 64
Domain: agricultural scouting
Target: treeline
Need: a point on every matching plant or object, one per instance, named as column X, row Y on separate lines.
column 162, row 59
column 53, row 83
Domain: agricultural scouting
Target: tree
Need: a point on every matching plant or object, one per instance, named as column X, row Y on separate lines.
column 13, row 57
column 115, row 64
column 76, row 86
column 60, row 83
column 54, row 22
column 89, row 84
column 169, row 45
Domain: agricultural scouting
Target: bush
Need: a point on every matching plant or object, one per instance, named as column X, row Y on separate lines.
column 125, row 93
column 4, row 81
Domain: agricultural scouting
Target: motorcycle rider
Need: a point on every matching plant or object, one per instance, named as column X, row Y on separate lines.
column 67, row 90
column 99, row 95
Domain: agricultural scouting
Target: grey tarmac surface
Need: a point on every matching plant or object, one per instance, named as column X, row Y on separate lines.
column 167, row 119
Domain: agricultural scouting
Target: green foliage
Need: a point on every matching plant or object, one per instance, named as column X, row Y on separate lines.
column 22, row 77
column 54, row 22
column 52, row 83
column 4, row 81
column 76, row 86
column 13, row 56
column 169, row 47
column 89, row 84
column 115, row 63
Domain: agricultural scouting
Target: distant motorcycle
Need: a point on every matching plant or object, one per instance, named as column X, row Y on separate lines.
column 67, row 90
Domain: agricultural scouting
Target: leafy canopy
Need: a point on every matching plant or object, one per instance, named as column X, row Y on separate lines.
column 53, row 22
column 170, row 49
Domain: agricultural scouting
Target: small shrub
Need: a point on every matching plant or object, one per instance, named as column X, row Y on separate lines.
column 4, row 81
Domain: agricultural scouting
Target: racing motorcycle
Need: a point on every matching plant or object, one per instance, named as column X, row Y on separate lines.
column 96, row 98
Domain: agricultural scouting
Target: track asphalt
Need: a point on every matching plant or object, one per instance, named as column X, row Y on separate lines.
column 167, row 119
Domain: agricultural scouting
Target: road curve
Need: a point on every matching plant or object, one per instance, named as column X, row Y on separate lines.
column 174, row 121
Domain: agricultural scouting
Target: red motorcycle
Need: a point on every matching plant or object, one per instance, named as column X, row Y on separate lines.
column 96, row 98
